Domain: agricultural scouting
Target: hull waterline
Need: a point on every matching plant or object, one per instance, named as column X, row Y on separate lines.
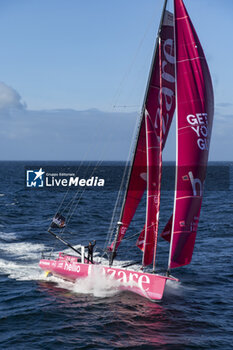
column 69, row 268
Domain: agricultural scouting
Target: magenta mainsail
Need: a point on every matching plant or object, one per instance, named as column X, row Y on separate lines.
column 152, row 105
column 195, row 106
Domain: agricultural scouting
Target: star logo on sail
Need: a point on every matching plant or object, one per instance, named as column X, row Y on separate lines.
column 35, row 178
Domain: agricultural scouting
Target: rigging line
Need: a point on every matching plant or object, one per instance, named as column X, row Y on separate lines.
column 71, row 203
column 84, row 189
column 69, row 232
column 135, row 234
column 80, row 165
column 132, row 236
column 114, row 214
column 137, row 80
column 71, row 212
column 65, row 195
column 132, row 62
column 120, row 192
column 75, row 207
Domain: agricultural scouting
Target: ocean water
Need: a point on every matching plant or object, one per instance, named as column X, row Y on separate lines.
column 46, row 313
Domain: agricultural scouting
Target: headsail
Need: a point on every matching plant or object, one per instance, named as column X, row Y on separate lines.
column 148, row 237
column 154, row 141
column 137, row 181
column 195, row 107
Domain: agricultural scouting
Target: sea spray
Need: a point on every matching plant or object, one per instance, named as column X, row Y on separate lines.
column 97, row 284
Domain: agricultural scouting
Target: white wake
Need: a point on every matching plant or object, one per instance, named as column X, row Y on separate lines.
column 21, row 263
column 19, row 260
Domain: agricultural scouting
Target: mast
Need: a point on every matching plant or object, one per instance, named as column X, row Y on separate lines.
column 113, row 254
column 147, row 182
column 173, row 218
column 160, row 146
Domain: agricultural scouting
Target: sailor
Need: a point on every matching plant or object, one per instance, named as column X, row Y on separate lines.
column 90, row 247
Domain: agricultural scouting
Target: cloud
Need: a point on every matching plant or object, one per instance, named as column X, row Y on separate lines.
column 10, row 98
column 89, row 135
column 85, row 135
column 66, row 135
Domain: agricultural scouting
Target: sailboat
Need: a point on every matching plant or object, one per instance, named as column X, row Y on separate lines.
column 179, row 80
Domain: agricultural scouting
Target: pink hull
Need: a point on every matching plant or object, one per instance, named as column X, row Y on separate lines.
column 67, row 267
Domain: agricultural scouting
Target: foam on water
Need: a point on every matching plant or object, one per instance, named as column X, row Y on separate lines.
column 98, row 285
column 21, row 272
column 9, row 236
column 12, row 255
column 173, row 288
column 22, row 250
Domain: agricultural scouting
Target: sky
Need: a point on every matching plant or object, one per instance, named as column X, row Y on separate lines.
column 73, row 75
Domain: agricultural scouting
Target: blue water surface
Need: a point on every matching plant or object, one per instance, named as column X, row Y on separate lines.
column 40, row 313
